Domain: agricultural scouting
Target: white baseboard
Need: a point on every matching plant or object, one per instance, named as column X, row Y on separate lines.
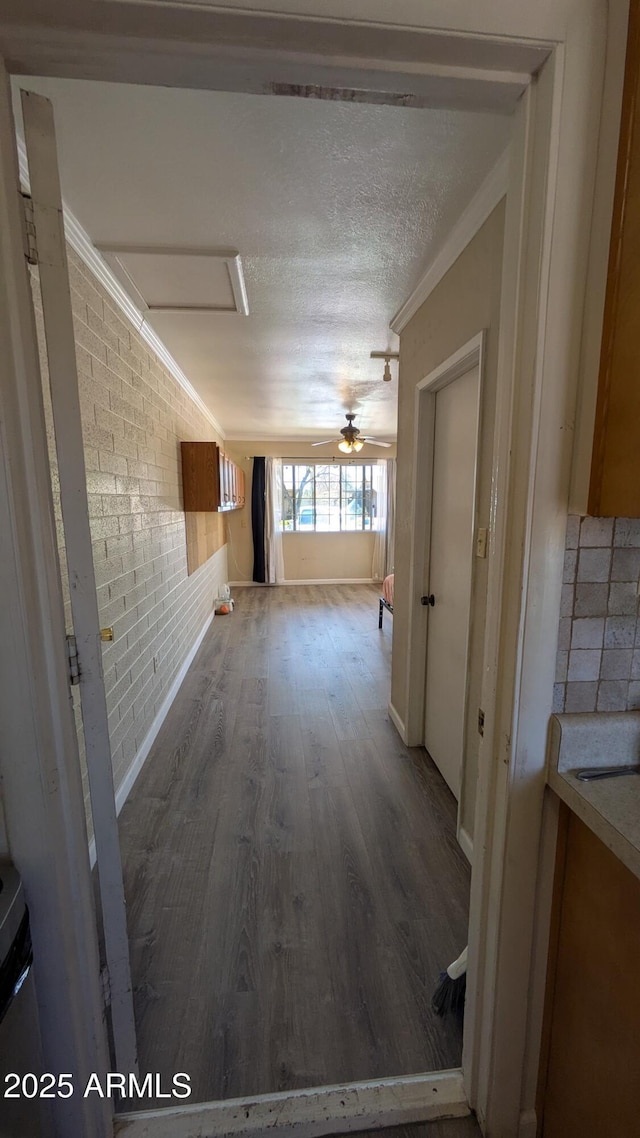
column 398, row 723
column 465, row 843
column 309, row 581
column 126, row 784
column 333, row 581
column 309, row 1113
column 528, row 1127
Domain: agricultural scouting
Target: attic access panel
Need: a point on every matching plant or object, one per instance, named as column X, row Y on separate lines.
column 180, row 280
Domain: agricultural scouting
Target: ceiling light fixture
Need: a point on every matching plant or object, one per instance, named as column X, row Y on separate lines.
column 350, row 442
column 348, row 446
column 386, row 356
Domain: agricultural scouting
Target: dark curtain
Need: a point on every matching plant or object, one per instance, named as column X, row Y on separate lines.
column 258, row 491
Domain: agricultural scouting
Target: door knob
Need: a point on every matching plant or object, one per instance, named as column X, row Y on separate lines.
column 430, row 600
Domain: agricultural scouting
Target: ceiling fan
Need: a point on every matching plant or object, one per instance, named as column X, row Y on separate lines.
column 351, row 443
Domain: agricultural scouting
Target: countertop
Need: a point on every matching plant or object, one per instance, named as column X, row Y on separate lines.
column 610, row 807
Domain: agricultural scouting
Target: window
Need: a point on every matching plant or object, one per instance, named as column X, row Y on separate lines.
column 328, row 497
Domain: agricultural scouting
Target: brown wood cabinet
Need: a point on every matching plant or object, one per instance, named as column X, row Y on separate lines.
column 231, row 483
column 590, row 1067
column 210, row 479
column 614, row 488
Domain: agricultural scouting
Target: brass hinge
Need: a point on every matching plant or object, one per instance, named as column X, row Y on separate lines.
column 72, row 656
column 30, row 243
column 105, row 983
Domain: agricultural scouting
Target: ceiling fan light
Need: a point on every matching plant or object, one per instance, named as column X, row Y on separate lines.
column 345, row 446
column 357, row 445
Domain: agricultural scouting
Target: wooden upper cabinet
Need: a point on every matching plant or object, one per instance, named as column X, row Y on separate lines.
column 210, row 479
column 614, row 488
column 231, row 480
column 200, row 478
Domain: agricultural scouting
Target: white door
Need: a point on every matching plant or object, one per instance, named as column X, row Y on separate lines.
column 450, row 572
column 63, row 382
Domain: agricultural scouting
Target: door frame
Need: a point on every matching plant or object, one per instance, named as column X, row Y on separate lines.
column 470, row 355
column 43, row 798
column 55, row 292
column 549, row 217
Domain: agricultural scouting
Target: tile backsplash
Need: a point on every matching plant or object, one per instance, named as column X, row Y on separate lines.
column 598, row 663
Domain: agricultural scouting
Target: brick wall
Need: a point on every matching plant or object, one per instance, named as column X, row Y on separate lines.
column 598, row 663
column 134, row 414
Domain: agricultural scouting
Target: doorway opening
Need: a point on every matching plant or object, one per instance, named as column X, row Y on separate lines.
column 370, row 977
column 524, row 273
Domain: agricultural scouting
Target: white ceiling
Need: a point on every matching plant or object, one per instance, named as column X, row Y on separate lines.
column 335, row 209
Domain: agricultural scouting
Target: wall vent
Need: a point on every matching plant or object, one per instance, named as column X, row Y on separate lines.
column 345, row 94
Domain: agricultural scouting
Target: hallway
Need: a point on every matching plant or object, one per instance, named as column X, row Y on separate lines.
column 293, row 880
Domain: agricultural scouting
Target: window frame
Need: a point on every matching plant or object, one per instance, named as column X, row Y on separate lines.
column 333, row 462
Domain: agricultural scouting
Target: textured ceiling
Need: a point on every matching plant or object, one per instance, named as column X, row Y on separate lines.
column 335, row 208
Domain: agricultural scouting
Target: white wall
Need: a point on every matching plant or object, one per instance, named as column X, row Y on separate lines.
column 327, row 556
column 134, row 415
column 466, row 301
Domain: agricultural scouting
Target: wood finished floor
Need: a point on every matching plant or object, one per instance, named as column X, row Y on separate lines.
column 293, row 881
column 447, row 1128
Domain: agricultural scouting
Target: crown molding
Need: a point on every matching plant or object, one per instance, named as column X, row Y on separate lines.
column 82, row 244
column 483, row 203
